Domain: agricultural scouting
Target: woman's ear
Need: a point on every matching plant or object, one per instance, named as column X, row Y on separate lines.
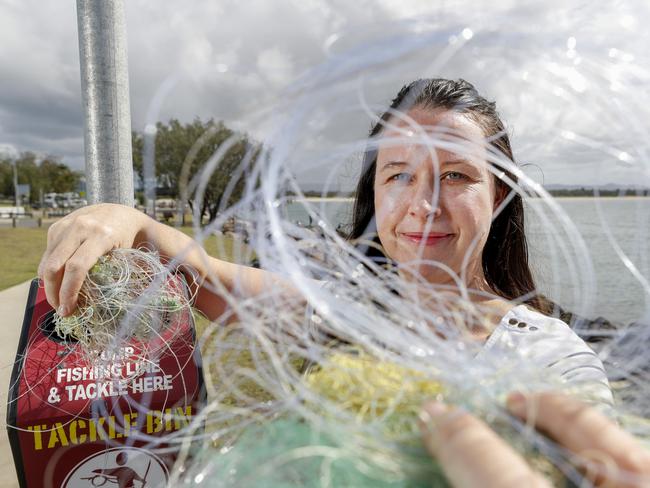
column 500, row 193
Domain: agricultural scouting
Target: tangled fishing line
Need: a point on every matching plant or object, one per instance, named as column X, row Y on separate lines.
column 321, row 387
column 128, row 295
column 324, row 390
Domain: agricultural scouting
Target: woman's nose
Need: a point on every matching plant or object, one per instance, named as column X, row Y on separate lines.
column 425, row 203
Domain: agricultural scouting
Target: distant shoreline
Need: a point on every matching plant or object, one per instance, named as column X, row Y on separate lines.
column 599, row 197
column 581, row 197
column 322, row 199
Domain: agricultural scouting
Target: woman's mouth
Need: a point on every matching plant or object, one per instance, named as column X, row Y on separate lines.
column 428, row 239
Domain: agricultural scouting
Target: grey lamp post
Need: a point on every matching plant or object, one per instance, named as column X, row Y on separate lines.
column 105, row 94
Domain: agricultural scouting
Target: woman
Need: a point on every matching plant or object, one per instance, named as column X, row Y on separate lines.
column 456, row 205
column 491, row 243
column 434, row 193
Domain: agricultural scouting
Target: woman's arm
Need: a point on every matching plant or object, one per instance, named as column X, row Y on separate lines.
column 472, row 455
column 75, row 242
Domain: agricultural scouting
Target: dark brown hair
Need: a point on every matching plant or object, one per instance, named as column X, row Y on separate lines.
column 505, row 255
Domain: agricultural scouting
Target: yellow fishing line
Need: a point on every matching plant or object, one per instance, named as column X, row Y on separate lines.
column 372, row 388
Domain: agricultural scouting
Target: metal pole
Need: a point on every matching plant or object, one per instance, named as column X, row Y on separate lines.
column 105, row 93
column 16, row 197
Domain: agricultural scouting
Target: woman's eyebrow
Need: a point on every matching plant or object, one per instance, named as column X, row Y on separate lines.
column 393, row 164
column 458, row 161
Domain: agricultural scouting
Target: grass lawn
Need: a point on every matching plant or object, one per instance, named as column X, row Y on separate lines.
column 21, row 250
column 20, row 253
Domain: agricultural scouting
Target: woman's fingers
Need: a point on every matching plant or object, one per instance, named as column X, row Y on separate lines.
column 608, row 453
column 74, row 245
column 470, row 453
column 52, row 266
column 76, row 269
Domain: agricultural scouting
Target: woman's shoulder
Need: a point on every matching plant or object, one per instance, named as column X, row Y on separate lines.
column 524, row 319
column 537, row 334
column 552, row 345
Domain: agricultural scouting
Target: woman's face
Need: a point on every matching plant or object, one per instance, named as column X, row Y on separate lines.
column 434, row 203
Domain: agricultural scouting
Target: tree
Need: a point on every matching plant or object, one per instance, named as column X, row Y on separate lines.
column 137, row 149
column 6, row 178
column 29, row 174
column 57, row 177
column 182, row 152
column 48, row 175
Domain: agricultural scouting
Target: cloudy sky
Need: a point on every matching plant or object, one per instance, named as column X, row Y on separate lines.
column 571, row 81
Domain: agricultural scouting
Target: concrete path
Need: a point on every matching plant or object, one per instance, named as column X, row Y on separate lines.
column 12, row 309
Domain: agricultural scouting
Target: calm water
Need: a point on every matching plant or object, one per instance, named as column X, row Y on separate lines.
column 618, row 295
column 579, row 269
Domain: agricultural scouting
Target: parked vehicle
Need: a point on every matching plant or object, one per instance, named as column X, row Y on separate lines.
column 49, row 200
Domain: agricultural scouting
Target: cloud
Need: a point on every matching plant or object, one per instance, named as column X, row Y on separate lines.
column 244, row 62
column 8, row 151
column 40, row 104
column 275, row 66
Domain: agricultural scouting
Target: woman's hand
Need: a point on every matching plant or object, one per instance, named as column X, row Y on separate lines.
column 77, row 241
column 472, row 455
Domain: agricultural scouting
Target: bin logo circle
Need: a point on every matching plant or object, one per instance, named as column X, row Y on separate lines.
column 121, row 467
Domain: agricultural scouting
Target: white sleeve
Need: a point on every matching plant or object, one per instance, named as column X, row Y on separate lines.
column 567, row 360
column 578, row 366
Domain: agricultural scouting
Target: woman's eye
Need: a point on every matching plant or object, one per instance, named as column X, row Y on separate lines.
column 454, row 176
column 400, row 178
